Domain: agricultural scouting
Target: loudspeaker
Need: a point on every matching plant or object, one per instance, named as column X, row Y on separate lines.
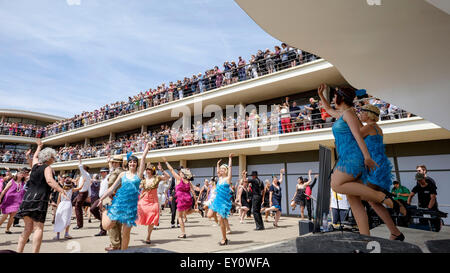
column 305, row 227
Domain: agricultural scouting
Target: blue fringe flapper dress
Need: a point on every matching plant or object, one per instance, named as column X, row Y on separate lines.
column 350, row 157
column 382, row 175
column 123, row 207
column 222, row 203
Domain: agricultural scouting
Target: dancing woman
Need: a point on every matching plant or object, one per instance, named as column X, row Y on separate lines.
column 275, row 197
column 222, row 203
column 212, row 190
column 353, row 158
column 11, row 198
column 123, row 208
column 242, row 197
column 381, row 178
column 183, row 186
column 266, row 200
column 34, row 206
column 148, row 204
column 299, row 197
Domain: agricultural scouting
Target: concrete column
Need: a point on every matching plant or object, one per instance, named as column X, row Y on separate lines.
column 3, row 118
column 66, row 144
column 183, row 162
column 143, row 129
column 112, row 136
column 333, row 156
column 86, row 141
column 242, row 164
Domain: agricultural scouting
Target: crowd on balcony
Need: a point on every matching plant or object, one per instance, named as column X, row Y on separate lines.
column 285, row 118
column 262, row 63
column 19, row 129
column 15, row 157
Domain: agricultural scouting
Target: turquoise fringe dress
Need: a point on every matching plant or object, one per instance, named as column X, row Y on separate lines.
column 123, row 207
column 222, row 203
column 382, row 175
column 350, row 157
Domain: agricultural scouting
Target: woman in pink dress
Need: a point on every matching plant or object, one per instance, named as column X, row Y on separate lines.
column 183, row 188
column 148, row 204
column 11, row 198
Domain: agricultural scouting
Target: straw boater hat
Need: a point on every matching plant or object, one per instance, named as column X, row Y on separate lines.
column 372, row 111
column 117, row 158
column 187, row 173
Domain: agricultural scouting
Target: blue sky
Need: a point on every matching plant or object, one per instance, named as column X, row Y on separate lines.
column 63, row 57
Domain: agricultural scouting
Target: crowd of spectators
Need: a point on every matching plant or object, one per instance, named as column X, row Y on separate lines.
column 16, row 157
column 284, row 118
column 261, row 63
column 19, row 129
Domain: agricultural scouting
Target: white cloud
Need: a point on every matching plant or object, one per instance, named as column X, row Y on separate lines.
column 102, row 52
column 73, row 2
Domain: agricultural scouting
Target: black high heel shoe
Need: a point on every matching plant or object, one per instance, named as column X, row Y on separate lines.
column 400, row 237
column 182, row 236
column 223, row 243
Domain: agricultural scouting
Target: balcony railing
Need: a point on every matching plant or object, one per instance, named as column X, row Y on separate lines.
column 21, row 130
column 187, row 88
column 274, row 124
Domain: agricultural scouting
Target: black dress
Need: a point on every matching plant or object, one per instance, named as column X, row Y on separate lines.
column 35, row 200
column 300, row 198
column 244, row 199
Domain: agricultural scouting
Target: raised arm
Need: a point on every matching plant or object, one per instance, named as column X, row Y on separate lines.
column 281, row 176
column 230, row 163
column 354, row 124
column 83, row 172
column 29, row 159
column 174, row 173
column 38, row 150
column 325, row 103
column 164, row 177
column 144, row 155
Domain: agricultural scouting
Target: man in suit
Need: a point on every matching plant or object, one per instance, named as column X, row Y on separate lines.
column 172, row 201
column 257, row 188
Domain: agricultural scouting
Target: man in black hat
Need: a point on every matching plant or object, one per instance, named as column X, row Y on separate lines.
column 257, row 188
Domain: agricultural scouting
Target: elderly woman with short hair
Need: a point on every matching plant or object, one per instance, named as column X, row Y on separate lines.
column 35, row 202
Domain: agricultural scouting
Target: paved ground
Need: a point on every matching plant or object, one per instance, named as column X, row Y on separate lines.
column 202, row 236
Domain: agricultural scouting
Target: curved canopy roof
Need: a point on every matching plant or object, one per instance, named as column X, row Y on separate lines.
column 397, row 50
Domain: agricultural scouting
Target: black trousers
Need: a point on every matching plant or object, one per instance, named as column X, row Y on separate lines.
column 249, row 212
column 173, row 210
column 309, row 208
column 256, row 204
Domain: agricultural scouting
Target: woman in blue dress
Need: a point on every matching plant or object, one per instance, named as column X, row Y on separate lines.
column 353, row 158
column 123, row 208
column 222, row 202
column 275, row 197
column 381, row 178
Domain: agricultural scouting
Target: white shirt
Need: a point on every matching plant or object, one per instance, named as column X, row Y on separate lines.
column 103, row 186
column 85, row 179
column 342, row 199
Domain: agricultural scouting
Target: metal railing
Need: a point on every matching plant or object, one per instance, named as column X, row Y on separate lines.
column 21, row 130
column 210, row 132
column 213, row 79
